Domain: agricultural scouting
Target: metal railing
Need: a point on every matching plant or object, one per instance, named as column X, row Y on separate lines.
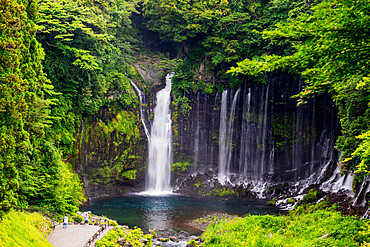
column 55, row 218
column 102, row 228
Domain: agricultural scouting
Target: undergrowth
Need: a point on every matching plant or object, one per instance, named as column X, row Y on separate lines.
column 130, row 237
column 24, row 229
column 317, row 228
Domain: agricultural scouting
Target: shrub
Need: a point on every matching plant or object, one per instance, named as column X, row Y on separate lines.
column 318, row 228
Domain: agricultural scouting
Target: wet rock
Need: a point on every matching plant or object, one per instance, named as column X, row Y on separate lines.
column 121, row 241
column 163, row 239
column 197, row 239
column 174, row 239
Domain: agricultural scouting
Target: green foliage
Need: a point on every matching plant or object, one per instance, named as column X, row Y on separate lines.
column 113, row 223
column 179, row 21
column 135, row 237
column 131, row 174
column 65, row 123
column 88, row 47
column 319, row 228
column 331, row 51
column 180, row 166
column 222, row 192
column 182, row 103
column 24, row 92
column 24, row 229
column 78, row 219
column 116, row 138
column 45, row 180
column 192, row 243
column 219, row 33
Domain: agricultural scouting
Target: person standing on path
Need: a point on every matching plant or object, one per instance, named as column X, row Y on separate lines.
column 65, row 221
column 86, row 218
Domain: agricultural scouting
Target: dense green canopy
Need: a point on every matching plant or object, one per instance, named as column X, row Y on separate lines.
column 332, row 52
column 62, row 61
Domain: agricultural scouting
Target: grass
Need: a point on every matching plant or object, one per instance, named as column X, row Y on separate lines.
column 318, row 228
column 134, row 237
column 24, row 229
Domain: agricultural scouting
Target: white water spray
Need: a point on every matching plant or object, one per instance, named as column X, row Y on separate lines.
column 160, row 145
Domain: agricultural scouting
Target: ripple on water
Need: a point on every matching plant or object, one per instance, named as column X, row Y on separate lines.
column 171, row 212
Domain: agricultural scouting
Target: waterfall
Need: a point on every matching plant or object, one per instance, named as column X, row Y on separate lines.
column 160, row 146
column 264, row 133
column 222, row 137
column 257, row 134
column 256, row 154
column 196, row 144
column 226, row 136
column 313, row 135
column 214, row 110
column 246, row 150
column 140, row 94
column 243, row 134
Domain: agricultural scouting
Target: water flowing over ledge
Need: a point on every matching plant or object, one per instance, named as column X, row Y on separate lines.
column 141, row 95
column 160, row 145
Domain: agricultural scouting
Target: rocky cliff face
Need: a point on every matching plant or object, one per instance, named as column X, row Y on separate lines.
column 112, row 145
column 112, row 152
column 257, row 130
column 268, row 137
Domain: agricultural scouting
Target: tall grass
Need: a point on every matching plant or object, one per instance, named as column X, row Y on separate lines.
column 24, row 229
column 318, row 228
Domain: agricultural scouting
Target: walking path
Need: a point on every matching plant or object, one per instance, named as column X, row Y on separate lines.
column 73, row 235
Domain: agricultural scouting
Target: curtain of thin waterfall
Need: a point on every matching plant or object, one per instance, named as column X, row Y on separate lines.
column 264, row 137
column 226, row 135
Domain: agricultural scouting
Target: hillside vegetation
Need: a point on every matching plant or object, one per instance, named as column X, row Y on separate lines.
column 22, row 229
column 62, row 62
column 318, row 228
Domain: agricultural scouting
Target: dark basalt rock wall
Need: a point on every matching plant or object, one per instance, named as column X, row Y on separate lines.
column 272, row 137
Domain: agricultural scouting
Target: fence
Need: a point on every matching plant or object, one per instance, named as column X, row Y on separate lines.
column 102, row 228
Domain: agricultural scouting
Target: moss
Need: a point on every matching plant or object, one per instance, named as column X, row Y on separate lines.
column 222, row 192
column 131, row 174
column 271, row 203
column 180, row 167
column 291, row 200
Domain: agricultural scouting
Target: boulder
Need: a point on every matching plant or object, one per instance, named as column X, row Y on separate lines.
column 174, row 239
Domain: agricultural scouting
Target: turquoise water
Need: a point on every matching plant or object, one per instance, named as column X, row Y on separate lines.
column 172, row 212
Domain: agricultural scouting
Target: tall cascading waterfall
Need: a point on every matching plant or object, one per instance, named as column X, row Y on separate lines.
column 160, row 145
column 226, row 136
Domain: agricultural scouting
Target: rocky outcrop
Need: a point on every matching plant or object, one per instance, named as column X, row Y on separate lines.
column 112, row 152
